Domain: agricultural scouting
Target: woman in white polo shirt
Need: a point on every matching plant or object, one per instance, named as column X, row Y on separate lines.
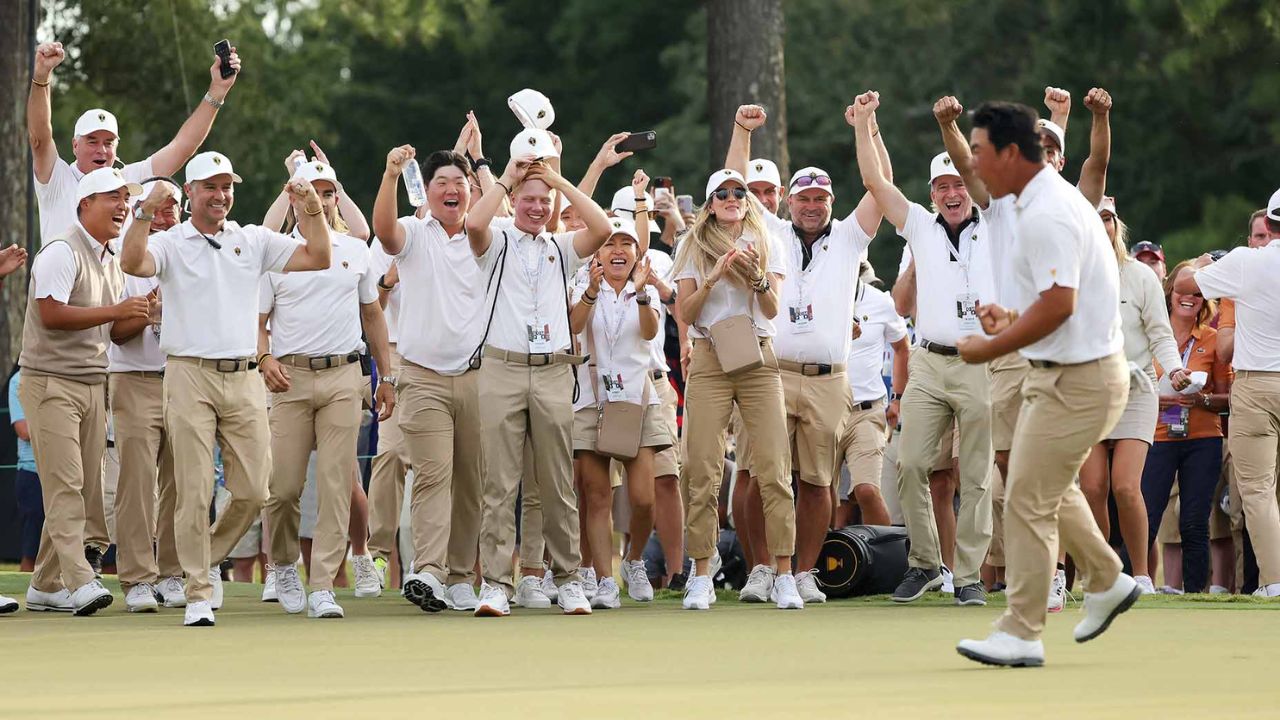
column 729, row 270
column 615, row 315
column 1147, row 335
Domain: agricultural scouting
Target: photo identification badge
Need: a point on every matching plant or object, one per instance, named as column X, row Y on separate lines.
column 967, row 311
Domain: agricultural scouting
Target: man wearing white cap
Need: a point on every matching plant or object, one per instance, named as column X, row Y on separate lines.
column 526, row 379
column 210, row 263
column 813, row 339
column 310, row 361
column 146, row 551
column 954, row 272
column 1248, row 275
column 764, row 182
column 72, row 301
column 96, row 138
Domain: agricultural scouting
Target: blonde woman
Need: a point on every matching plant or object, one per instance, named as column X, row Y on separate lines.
column 729, row 271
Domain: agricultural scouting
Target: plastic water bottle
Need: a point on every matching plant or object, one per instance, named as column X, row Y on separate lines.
column 413, row 183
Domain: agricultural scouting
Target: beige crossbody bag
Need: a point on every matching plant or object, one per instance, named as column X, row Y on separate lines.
column 619, row 425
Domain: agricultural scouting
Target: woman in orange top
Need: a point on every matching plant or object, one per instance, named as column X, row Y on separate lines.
column 1188, row 440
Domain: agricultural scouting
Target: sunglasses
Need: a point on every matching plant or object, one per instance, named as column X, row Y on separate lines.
column 810, row 180
column 723, row 193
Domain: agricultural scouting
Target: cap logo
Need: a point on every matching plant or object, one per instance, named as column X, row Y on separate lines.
column 759, row 167
column 616, row 225
column 728, row 172
column 319, row 167
column 542, row 114
column 217, row 160
column 102, row 117
column 813, row 176
column 946, row 160
column 237, row 250
column 533, row 140
column 117, row 173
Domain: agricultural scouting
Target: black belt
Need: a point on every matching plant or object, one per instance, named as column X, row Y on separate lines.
column 323, row 362
column 939, row 348
column 866, row 404
column 223, row 365
column 658, row 374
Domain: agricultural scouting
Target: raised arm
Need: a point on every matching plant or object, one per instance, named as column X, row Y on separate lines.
column 589, row 239
column 1058, row 101
column 745, row 122
column 607, row 157
column 648, row 314
column 890, row 198
column 352, row 215
column 580, row 313
column 44, row 151
column 946, row 111
column 1093, row 174
column 385, row 212
column 316, row 253
column 134, row 258
column 868, row 213
column 639, row 183
column 168, row 159
column 482, row 213
column 904, row 291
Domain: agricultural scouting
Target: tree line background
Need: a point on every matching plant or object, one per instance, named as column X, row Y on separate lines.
column 1196, row 86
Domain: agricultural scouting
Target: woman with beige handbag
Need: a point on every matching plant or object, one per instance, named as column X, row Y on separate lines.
column 729, row 270
column 617, row 415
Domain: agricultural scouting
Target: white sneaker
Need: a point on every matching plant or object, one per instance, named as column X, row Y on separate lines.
column 321, row 604
column 1001, row 648
column 758, row 586
column 549, row 586
column 696, row 592
column 39, row 601
column 638, row 586
column 461, row 596
column 785, row 593
column 713, row 567
column 215, row 581
column 293, row 598
column 493, row 602
column 608, row 595
column 90, row 597
column 1101, row 608
column 1268, row 591
column 589, row 581
column 198, row 614
column 948, row 581
column 807, row 584
column 529, row 594
column 1218, row 590
column 572, row 599
column 7, row 604
column 269, row 591
column 1144, row 582
column 1057, row 592
column 1169, row 590
column 141, row 598
column 368, row 580
column 425, row 591
column 172, row 592
column 383, row 568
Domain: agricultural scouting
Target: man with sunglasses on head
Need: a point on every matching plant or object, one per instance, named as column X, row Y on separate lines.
column 813, row 340
column 146, row 551
column 210, row 269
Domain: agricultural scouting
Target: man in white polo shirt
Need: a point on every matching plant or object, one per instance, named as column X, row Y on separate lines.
column 96, row 138
column 1249, row 276
column 813, row 340
column 764, row 181
column 72, row 301
column 954, row 274
column 146, row 552
column 209, row 270
column 441, row 323
column 1065, row 319
column 310, row 361
column 526, row 382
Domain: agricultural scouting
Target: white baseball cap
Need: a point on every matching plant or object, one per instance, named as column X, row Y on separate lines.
column 533, row 141
column 208, row 164
column 720, row 177
column 532, row 109
column 1108, row 204
column 941, row 166
column 1273, row 206
column 95, row 120
column 316, row 170
column 1055, row 131
column 148, row 187
column 623, row 226
column 814, row 176
column 624, row 201
column 762, row 170
column 104, row 180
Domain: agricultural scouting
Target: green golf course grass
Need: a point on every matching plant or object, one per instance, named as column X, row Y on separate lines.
column 1168, row 657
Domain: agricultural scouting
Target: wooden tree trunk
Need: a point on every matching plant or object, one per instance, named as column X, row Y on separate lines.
column 16, row 38
column 745, row 65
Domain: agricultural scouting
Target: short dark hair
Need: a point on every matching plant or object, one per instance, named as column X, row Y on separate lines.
column 1009, row 123
column 445, row 158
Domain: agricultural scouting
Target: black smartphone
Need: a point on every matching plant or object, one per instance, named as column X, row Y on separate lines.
column 646, row 140
column 222, row 49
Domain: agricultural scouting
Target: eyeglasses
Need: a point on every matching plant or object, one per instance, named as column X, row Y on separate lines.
column 723, row 193
column 810, row 180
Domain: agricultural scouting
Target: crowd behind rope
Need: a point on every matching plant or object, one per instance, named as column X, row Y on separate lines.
column 521, row 352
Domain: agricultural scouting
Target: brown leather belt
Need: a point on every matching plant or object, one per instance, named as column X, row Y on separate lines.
column 533, row 359
column 811, row 369
column 322, row 362
column 224, row 365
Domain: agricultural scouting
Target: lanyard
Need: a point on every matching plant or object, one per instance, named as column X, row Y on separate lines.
column 532, row 274
column 803, row 271
column 1186, row 354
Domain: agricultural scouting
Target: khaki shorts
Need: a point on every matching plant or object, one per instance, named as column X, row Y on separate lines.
column 667, row 462
column 866, row 434
column 816, row 409
column 653, row 432
column 1139, row 419
column 1006, row 399
column 948, row 450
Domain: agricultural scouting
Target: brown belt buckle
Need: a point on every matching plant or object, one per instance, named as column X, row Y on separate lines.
column 227, row 366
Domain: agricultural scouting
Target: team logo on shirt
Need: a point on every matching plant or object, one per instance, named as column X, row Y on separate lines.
column 237, row 248
column 551, row 259
column 344, row 265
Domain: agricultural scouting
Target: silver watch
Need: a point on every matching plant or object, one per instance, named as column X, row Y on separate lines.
column 391, row 380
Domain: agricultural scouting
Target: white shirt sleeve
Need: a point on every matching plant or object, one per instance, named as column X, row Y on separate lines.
column 54, row 272
column 276, row 250
column 266, row 294
column 497, row 240
column 895, row 329
column 53, row 189
column 918, row 221
column 905, row 262
column 849, row 231
column 138, row 171
column 158, row 247
column 1053, row 252
column 777, row 256
column 571, row 259
column 411, row 226
column 1225, row 278
column 367, row 290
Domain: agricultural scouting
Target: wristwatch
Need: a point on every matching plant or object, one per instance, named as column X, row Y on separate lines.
column 382, row 283
column 642, row 299
column 139, row 214
column 391, row 380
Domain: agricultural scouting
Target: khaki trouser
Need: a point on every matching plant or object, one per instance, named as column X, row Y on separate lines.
column 532, row 544
column 518, row 401
column 944, row 389
column 386, row 480
column 320, row 410
column 1065, row 412
column 1255, row 432
column 817, row 407
column 995, row 555
column 201, row 405
column 146, row 464
column 440, row 420
column 67, row 421
column 709, row 399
